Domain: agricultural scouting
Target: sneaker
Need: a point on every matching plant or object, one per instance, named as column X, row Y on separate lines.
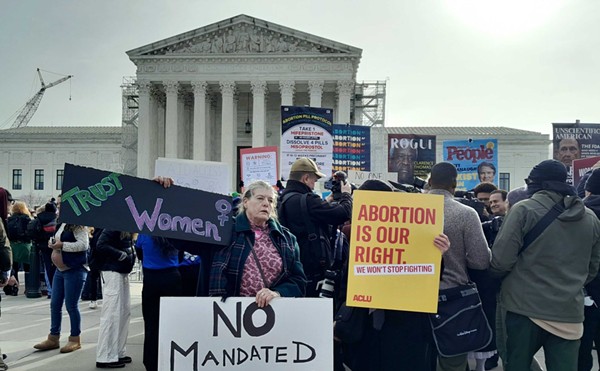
column 126, row 359
column 492, row 362
column 93, row 304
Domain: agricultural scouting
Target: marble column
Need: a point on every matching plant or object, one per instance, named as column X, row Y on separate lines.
column 153, row 135
column 181, row 133
column 161, row 112
column 228, row 128
column 210, row 117
column 315, row 88
column 143, row 155
column 200, row 125
column 345, row 88
column 171, row 119
column 259, row 130
column 287, row 88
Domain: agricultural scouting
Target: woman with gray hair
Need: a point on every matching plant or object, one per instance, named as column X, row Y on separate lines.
column 264, row 258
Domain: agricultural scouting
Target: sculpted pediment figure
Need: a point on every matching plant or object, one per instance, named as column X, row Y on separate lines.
column 244, row 35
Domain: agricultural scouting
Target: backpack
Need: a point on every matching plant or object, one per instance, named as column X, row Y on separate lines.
column 17, row 229
column 318, row 258
column 41, row 232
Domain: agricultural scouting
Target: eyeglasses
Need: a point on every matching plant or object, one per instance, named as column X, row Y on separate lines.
column 528, row 181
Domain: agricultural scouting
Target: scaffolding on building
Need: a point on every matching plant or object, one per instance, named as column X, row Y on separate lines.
column 130, row 108
column 369, row 103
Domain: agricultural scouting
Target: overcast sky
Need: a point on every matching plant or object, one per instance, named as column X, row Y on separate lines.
column 515, row 63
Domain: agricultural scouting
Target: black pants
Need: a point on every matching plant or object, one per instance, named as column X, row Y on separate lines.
column 50, row 268
column 591, row 331
column 157, row 283
column 404, row 343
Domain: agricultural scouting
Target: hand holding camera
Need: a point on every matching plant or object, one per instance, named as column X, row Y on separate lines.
column 346, row 187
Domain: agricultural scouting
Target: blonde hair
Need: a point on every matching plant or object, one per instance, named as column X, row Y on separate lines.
column 259, row 184
column 20, row 207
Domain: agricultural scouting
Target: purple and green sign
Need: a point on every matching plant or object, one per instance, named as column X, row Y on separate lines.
column 120, row 202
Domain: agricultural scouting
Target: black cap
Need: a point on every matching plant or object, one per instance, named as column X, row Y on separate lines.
column 548, row 170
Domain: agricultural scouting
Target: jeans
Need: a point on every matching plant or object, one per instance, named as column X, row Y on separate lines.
column 66, row 288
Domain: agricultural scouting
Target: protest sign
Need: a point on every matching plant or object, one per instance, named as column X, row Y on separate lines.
column 393, row 262
column 211, row 334
column 574, row 141
column 359, row 177
column 351, row 147
column 120, row 202
column 306, row 132
column 207, row 176
column 582, row 166
column 410, row 156
column 476, row 161
column 259, row 164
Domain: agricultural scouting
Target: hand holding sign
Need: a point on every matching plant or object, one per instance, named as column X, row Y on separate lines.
column 442, row 242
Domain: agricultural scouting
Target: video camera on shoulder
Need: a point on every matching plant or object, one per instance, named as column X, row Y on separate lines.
column 468, row 198
column 416, row 187
column 334, row 184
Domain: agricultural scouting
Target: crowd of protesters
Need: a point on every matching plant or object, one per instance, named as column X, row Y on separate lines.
column 534, row 254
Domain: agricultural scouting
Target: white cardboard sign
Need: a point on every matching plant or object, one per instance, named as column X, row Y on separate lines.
column 207, row 176
column 204, row 333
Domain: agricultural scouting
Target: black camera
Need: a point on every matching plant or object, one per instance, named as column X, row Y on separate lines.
column 327, row 285
column 334, row 184
column 416, row 187
column 468, row 198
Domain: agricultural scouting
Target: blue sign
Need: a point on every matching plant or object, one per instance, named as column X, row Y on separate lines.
column 475, row 159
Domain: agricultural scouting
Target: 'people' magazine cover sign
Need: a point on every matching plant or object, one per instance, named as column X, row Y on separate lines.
column 476, row 161
column 393, row 261
column 235, row 334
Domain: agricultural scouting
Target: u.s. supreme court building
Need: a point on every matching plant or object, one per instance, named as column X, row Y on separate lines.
column 207, row 93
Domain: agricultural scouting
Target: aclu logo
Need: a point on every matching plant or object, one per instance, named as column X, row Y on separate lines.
column 411, row 143
column 363, row 298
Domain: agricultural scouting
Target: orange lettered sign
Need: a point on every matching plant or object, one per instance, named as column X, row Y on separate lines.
column 393, row 261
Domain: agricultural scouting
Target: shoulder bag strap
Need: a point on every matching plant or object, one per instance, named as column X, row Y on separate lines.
column 313, row 234
column 542, row 224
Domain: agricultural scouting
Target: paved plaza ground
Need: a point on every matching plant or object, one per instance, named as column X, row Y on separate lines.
column 25, row 322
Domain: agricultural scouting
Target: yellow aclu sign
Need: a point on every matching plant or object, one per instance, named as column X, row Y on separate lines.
column 393, row 261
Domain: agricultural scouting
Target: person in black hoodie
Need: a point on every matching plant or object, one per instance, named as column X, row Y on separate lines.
column 114, row 258
column 591, row 323
column 41, row 229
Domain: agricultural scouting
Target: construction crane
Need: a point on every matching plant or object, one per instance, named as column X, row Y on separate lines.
column 31, row 106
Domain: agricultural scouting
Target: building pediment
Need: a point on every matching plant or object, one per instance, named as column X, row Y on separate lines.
column 244, row 35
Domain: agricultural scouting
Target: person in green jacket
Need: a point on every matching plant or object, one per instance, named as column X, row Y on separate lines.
column 542, row 287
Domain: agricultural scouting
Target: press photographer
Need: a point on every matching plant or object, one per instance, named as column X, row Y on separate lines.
column 498, row 206
column 334, row 184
